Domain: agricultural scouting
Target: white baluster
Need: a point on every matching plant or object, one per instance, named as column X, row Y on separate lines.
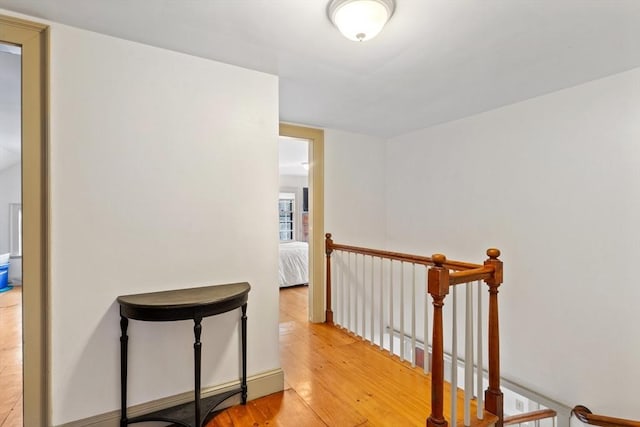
column 364, row 297
column 454, row 359
column 340, row 289
column 381, row 303
column 402, row 311
column 335, row 300
column 468, row 354
column 345, row 289
column 347, row 285
column 479, row 383
column 413, row 315
column 391, row 306
column 425, row 356
column 355, row 294
column 373, row 287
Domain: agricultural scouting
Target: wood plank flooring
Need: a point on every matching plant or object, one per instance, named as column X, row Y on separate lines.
column 331, row 377
column 11, row 358
column 335, row 379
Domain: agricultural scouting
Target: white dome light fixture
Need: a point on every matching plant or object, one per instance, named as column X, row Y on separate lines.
column 360, row 20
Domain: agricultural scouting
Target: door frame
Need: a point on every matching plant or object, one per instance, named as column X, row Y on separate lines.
column 33, row 38
column 316, row 215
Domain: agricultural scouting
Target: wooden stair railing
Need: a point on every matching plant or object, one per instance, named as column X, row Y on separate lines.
column 586, row 416
column 442, row 274
column 530, row 416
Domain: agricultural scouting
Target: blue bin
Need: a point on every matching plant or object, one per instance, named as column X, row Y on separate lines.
column 4, row 277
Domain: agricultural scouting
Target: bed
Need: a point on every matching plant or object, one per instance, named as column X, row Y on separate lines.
column 294, row 264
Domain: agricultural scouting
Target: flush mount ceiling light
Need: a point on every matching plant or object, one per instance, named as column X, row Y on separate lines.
column 360, row 20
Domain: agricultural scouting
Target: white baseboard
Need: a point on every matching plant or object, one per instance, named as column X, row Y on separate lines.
column 258, row 385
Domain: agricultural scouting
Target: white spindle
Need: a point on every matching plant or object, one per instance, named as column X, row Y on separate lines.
column 364, row 297
column 348, row 322
column 373, row 287
column 468, row 354
column 479, row 395
column 341, row 307
column 402, row 311
column 381, row 303
column 425, row 355
column 391, row 306
column 335, row 301
column 355, row 294
column 454, row 359
column 413, row 316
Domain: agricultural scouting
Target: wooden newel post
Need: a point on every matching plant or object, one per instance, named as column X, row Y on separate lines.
column 493, row 395
column 328, row 249
column 438, row 287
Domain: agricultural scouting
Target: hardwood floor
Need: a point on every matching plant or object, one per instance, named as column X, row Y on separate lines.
column 335, row 379
column 331, row 378
column 11, row 358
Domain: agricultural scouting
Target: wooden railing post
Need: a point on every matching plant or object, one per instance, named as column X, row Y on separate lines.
column 438, row 287
column 493, row 395
column 328, row 248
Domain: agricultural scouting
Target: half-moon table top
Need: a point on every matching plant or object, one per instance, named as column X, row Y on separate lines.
column 182, row 304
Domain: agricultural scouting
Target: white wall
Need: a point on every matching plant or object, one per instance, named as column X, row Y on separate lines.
column 293, row 181
column 555, row 183
column 574, row 422
column 10, row 185
column 354, row 188
column 149, row 191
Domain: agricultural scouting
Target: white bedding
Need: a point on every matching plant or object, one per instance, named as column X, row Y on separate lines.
column 294, row 263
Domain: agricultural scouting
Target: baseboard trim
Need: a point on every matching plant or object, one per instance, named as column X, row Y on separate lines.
column 258, row 385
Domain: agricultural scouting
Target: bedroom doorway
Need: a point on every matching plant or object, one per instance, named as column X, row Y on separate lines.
column 315, row 214
column 11, row 242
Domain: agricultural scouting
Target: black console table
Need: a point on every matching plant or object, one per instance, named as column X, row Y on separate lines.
column 183, row 304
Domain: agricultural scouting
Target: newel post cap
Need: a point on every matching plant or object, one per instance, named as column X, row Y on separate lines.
column 493, row 261
column 438, row 259
column 328, row 244
column 493, row 253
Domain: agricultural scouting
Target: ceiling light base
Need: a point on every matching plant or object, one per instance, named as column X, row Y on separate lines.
column 360, row 20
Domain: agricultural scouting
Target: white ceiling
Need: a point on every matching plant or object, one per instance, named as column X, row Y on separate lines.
column 436, row 61
column 292, row 153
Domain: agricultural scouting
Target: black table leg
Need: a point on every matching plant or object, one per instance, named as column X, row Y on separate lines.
column 197, row 354
column 244, row 354
column 124, row 339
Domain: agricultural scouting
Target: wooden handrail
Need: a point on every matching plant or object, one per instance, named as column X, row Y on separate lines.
column 530, row 416
column 398, row 256
column 586, row 416
column 466, row 276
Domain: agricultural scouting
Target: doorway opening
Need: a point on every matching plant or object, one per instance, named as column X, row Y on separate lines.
column 293, row 212
column 11, row 238
column 315, row 214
